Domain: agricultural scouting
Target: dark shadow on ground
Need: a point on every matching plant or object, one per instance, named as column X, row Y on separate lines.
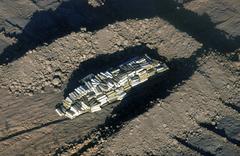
column 31, row 129
column 192, row 147
column 233, row 103
column 227, row 127
column 206, row 143
column 70, row 16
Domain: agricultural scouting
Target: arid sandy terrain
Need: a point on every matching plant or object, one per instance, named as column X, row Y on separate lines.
column 46, row 47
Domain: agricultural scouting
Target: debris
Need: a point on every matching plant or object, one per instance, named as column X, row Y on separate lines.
column 107, row 87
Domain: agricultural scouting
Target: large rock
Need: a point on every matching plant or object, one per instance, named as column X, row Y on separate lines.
column 56, row 81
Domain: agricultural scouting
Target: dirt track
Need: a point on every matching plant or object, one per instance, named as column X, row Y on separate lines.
column 193, row 111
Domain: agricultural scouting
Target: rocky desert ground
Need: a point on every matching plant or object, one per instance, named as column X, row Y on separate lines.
column 47, row 46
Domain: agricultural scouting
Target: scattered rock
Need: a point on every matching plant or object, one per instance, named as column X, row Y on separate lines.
column 56, row 81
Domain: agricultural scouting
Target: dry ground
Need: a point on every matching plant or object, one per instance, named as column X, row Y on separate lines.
column 46, row 48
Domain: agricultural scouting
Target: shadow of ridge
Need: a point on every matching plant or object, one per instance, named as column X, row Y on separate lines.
column 192, row 147
column 104, row 62
column 233, row 106
column 31, row 129
column 143, row 98
column 222, row 132
column 46, row 26
column 210, row 143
